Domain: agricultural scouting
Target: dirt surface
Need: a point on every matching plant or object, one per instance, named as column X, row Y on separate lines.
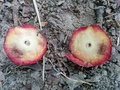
column 63, row 17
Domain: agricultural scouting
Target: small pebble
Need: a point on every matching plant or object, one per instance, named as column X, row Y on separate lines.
column 113, row 32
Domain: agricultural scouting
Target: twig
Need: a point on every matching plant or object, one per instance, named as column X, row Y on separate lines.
column 65, row 39
column 111, row 15
column 41, row 5
column 60, row 73
column 80, row 81
column 43, row 73
column 39, row 20
column 15, row 7
column 53, row 65
column 118, row 41
column 38, row 14
column 15, row 15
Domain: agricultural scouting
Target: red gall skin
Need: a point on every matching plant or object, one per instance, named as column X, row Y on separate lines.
column 20, row 60
column 78, row 59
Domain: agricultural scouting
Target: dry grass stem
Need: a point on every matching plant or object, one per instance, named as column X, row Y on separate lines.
column 43, row 72
column 39, row 20
column 60, row 73
column 118, row 41
column 38, row 14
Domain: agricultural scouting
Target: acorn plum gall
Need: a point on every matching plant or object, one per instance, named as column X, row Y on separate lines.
column 90, row 46
column 23, row 45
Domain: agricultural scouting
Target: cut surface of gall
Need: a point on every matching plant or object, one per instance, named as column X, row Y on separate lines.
column 90, row 46
column 23, row 45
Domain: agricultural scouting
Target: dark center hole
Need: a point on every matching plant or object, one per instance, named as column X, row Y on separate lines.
column 89, row 45
column 27, row 42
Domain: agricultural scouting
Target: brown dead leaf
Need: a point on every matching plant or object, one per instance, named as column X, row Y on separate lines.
column 44, row 23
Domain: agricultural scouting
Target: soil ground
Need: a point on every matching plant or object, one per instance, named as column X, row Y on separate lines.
column 63, row 17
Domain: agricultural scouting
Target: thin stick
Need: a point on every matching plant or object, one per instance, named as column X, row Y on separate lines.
column 80, row 81
column 43, row 73
column 118, row 41
column 111, row 15
column 38, row 14
column 41, row 5
column 53, row 65
column 39, row 20
column 15, row 7
column 65, row 39
column 60, row 73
